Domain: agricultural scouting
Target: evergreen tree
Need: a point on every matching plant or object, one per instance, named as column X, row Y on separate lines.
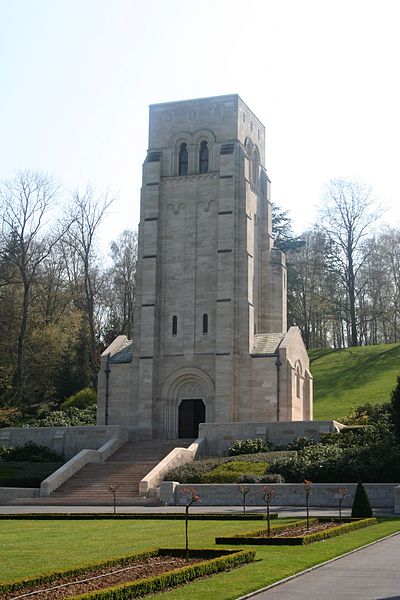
column 282, row 231
column 395, row 405
column 361, row 508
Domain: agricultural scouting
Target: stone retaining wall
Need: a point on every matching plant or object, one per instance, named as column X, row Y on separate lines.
column 65, row 440
column 220, row 436
column 381, row 495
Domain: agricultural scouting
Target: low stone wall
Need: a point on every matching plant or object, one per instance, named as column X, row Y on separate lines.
column 68, row 441
column 381, row 495
column 220, row 436
column 9, row 494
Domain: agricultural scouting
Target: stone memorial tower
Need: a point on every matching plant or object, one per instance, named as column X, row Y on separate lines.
column 210, row 337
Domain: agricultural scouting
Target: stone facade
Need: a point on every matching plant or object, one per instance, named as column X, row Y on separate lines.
column 210, row 338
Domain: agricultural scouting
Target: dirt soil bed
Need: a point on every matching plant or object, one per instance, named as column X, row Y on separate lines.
column 301, row 530
column 91, row 580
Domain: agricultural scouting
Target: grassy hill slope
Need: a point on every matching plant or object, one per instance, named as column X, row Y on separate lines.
column 344, row 379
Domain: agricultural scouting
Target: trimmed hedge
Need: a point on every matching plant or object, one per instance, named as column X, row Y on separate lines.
column 25, row 473
column 214, row 562
column 133, row 516
column 172, row 578
column 260, row 533
column 258, row 538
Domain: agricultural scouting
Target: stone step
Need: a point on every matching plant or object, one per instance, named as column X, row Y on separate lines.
column 124, row 469
column 148, row 449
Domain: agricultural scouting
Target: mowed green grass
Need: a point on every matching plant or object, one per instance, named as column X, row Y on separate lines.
column 28, row 548
column 344, row 379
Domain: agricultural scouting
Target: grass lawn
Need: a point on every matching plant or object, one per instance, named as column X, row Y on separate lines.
column 231, row 471
column 344, row 379
column 28, row 548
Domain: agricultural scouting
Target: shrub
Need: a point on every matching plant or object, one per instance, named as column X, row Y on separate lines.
column 252, row 446
column 361, row 435
column 71, row 417
column 332, row 463
column 82, row 399
column 249, row 479
column 316, row 463
column 29, row 452
column 259, row 457
column 9, row 416
column 198, row 470
column 300, row 442
column 368, row 414
column 232, row 471
column 272, row 478
column 361, row 506
column 192, row 472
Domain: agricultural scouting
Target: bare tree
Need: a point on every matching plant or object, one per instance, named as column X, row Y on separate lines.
column 121, row 278
column 308, row 302
column 347, row 218
column 87, row 211
column 26, row 241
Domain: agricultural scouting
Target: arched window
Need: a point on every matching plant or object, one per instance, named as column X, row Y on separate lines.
column 205, row 323
column 203, row 157
column 174, row 325
column 183, row 160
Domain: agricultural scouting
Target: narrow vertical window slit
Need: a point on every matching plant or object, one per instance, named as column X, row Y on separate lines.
column 205, row 323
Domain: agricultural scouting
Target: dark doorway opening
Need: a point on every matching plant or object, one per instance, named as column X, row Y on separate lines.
column 191, row 414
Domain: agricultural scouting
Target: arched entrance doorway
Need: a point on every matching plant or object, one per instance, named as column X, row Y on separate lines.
column 187, row 399
column 192, row 412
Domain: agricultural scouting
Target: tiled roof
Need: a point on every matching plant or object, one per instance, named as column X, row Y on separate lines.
column 124, row 354
column 267, row 343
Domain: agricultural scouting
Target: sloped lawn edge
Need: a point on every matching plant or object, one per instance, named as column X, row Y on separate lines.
column 214, row 562
column 258, row 537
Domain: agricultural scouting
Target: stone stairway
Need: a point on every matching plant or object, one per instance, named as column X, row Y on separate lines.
column 124, row 469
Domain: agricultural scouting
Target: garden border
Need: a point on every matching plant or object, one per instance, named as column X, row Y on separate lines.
column 256, row 538
column 214, row 561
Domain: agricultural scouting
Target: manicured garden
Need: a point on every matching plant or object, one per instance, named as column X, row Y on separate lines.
column 32, row 547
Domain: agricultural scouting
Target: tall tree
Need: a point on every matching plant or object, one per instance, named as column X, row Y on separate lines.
column 87, row 211
column 26, row 242
column 308, row 297
column 347, row 217
column 121, row 278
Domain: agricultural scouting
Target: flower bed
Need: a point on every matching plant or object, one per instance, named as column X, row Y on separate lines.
column 127, row 577
column 297, row 534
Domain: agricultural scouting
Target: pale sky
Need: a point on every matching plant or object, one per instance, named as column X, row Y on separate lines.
column 77, row 76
